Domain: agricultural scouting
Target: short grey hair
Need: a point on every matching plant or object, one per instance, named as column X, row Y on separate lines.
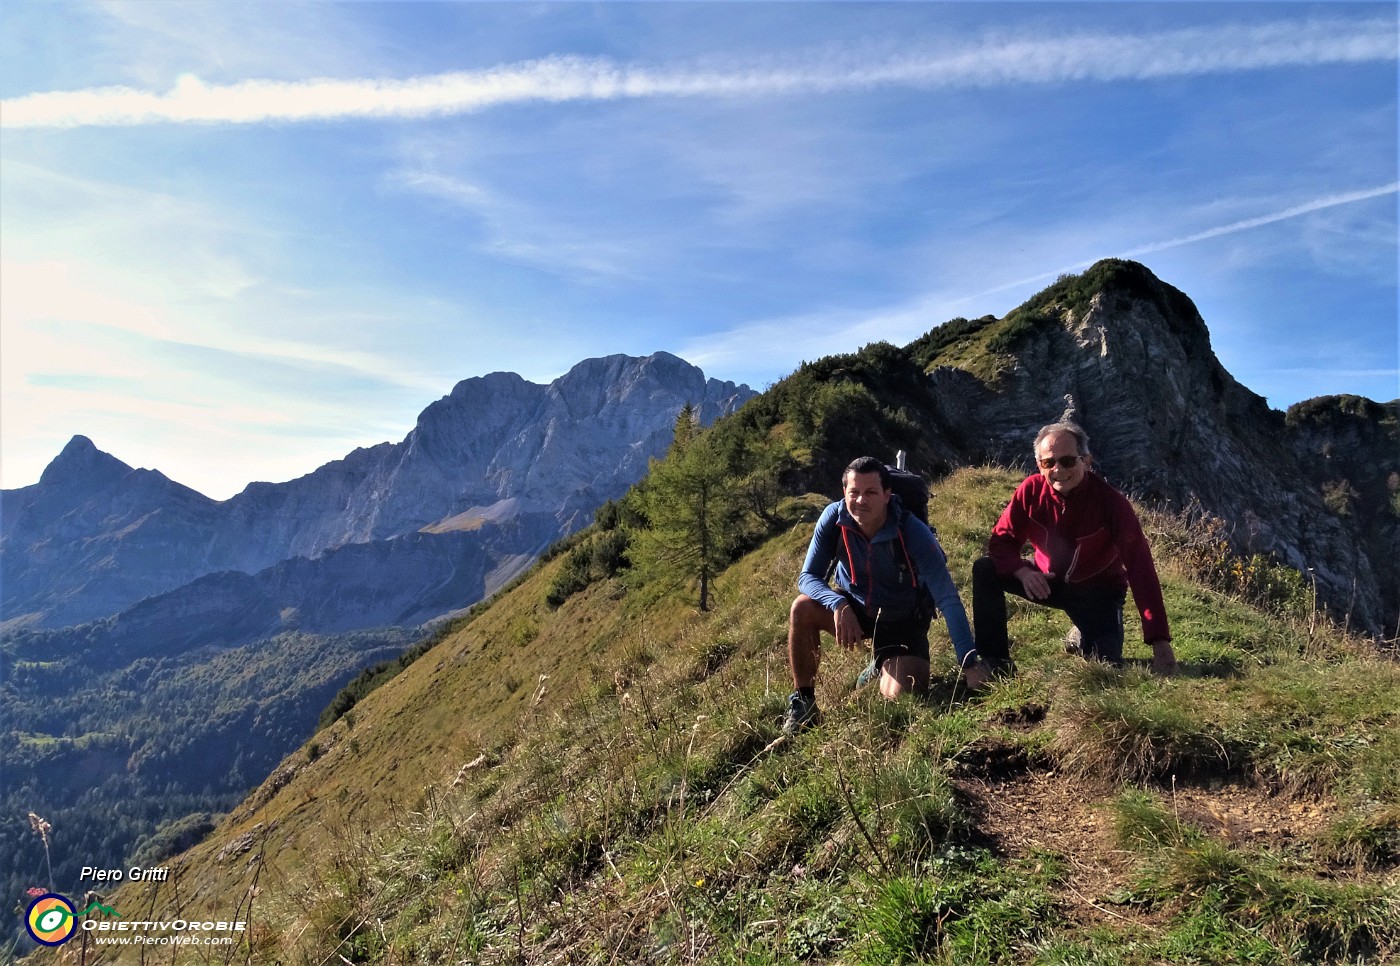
column 1064, row 426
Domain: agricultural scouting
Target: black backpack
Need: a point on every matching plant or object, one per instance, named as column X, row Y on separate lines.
column 912, row 490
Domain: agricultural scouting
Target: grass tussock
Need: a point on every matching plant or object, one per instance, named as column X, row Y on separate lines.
column 1297, row 917
column 1303, row 726
column 1127, row 728
column 1239, row 905
column 963, row 907
column 1367, row 838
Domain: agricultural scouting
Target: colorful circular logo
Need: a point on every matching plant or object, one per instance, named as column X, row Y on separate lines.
column 50, row 920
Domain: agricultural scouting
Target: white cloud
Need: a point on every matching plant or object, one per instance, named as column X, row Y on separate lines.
column 1036, row 60
column 455, row 191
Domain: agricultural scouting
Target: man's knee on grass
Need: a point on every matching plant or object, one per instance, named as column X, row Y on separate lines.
column 903, row 675
column 808, row 616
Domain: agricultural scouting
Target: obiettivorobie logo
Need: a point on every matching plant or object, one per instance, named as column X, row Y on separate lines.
column 51, row 920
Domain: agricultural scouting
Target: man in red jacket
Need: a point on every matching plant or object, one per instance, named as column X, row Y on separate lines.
column 1089, row 550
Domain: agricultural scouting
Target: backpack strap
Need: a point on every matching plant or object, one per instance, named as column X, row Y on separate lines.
column 851, row 566
column 921, row 593
column 913, row 570
column 869, row 575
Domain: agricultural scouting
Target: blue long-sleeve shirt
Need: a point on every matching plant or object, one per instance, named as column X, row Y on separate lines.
column 881, row 578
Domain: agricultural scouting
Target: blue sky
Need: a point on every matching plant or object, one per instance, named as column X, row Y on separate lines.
column 240, row 240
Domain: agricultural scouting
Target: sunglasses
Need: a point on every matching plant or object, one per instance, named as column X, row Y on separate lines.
column 1065, row 462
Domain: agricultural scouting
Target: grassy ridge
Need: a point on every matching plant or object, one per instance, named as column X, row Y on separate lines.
column 605, row 782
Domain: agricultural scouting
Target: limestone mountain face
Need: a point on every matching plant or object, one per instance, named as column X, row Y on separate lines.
column 1348, row 447
column 559, row 450
column 94, row 537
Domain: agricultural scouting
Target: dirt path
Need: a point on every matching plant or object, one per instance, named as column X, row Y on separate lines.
column 1025, row 807
column 1041, row 811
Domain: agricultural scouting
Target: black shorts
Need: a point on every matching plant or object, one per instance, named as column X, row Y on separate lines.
column 902, row 637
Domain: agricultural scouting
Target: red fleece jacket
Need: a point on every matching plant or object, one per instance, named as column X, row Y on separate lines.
column 1090, row 537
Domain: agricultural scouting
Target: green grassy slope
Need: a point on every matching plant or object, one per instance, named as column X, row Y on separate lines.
column 605, row 782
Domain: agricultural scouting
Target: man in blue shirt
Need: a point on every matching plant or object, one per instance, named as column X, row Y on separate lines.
column 888, row 564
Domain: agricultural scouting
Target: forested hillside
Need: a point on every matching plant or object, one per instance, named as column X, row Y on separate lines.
column 151, row 752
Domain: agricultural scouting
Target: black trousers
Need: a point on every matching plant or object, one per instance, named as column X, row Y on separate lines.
column 890, row 637
column 1096, row 611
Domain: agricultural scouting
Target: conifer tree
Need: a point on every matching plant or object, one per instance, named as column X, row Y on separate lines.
column 687, row 425
column 694, row 510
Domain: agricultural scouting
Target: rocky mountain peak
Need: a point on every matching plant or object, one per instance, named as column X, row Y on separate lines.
column 1120, row 283
column 596, row 386
column 81, row 463
column 478, row 387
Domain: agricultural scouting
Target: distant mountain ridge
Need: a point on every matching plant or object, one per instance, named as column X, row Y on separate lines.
column 94, row 536
column 402, row 582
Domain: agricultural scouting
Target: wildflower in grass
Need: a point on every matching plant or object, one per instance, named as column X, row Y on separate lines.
column 42, row 829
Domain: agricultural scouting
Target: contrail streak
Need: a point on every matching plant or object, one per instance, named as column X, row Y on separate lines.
column 1030, row 60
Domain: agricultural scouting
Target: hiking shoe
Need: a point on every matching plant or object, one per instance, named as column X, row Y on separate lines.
column 801, row 714
column 1074, row 642
column 871, row 672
